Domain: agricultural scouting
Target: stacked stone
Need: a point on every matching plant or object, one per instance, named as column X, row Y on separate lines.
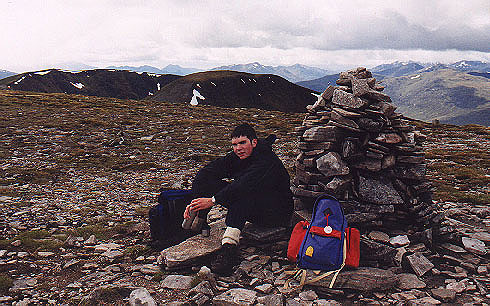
column 354, row 146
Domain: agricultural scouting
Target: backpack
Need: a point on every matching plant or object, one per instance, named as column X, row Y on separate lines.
column 324, row 244
column 166, row 218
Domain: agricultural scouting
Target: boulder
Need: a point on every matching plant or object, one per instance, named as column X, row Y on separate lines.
column 193, row 249
column 363, row 279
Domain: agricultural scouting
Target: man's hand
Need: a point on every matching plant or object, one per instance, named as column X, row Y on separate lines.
column 196, row 205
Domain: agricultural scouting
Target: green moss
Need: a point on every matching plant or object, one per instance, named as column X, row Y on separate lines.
column 5, row 283
column 136, row 251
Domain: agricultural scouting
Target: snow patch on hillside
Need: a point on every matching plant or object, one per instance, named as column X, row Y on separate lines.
column 20, row 80
column 42, row 72
column 77, row 85
column 415, row 77
column 195, row 95
column 158, row 86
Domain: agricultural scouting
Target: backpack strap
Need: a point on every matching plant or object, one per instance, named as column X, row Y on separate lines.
column 302, row 274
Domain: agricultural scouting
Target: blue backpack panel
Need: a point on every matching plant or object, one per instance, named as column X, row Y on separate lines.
column 322, row 247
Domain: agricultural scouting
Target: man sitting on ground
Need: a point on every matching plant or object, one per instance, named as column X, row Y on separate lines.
column 259, row 192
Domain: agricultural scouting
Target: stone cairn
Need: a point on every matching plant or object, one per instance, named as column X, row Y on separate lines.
column 355, row 147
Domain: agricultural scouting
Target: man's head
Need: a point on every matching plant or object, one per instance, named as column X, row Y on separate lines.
column 243, row 140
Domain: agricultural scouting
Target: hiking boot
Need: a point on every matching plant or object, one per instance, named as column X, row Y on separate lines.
column 226, row 259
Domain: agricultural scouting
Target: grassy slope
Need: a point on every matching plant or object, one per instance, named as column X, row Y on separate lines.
column 444, row 94
column 185, row 137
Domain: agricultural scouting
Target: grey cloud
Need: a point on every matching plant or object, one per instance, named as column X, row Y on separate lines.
column 391, row 31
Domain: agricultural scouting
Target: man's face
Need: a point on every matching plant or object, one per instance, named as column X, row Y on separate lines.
column 242, row 146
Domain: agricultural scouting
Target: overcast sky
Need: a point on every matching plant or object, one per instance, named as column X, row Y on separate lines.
column 205, row 34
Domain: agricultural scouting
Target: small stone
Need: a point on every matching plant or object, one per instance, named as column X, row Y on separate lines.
column 275, row 266
column 390, row 138
column 112, row 254
column 3, row 253
column 74, row 285
column 399, row 241
column 265, row 288
column 177, row 282
column 70, row 263
column 45, row 254
column 444, row 294
column 474, row 246
column 22, row 254
column 271, row 300
column 379, row 236
column 236, row 296
column 309, row 295
column 203, row 287
column 140, row 258
column 91, row 240
column 323, row 302
column 424, row 301
column 150, row 269
column 101, row 248
column 16, row 243
column 482, row 270
column 409, row 281
column 140, row 297
column 458, row 287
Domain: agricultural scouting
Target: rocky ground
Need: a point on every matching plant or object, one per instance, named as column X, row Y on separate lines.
column 78, row 175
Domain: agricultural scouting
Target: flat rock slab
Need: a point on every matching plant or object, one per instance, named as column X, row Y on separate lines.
column 363, row 279
column 236, row 296
column 262, row 233
column 407, row 281
column 474, row 246
column 443, row 294
column 419, row 263
column 177, row 282
column 194, row 248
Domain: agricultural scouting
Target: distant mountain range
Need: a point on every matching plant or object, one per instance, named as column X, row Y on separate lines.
column 5, row 73
column 457, row 93
column 169, row 69
column 294, row 73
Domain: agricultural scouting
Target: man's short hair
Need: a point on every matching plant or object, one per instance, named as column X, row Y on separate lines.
column 244, row 129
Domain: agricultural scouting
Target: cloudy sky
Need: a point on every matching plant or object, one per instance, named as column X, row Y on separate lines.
column 205, row 34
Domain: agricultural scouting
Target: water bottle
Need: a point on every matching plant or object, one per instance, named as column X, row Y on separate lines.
column 188, row 222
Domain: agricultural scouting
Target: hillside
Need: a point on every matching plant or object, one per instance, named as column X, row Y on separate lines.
column 99, row 82
column 445, row 94
column 237, row 89
column 73, row 166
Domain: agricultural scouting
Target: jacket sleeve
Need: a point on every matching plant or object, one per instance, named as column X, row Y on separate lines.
column 246, row 183
column 215, row 170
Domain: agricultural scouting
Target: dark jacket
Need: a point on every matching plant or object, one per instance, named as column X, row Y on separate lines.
column 260, row 176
